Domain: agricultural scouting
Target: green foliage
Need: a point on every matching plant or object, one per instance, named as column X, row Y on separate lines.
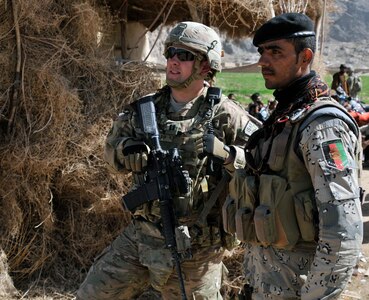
column 243, row 85
column 364, row 94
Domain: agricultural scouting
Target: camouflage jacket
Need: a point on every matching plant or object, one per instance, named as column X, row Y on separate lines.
column 231, row 124
column 312, row 181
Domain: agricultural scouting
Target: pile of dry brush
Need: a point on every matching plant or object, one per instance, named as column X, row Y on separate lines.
column 59, row 90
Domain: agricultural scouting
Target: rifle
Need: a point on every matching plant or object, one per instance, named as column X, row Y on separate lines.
column 164, row 177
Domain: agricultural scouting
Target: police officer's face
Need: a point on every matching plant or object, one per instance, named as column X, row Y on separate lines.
column 280, row 65
column 178, row 68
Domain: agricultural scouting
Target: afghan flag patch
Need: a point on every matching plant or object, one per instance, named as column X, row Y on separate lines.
column 335, row 154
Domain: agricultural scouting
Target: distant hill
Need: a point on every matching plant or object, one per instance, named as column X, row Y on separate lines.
column 346, row 40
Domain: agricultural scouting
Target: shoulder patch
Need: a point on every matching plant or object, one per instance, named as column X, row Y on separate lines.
column 335, row 154
column 250, row 128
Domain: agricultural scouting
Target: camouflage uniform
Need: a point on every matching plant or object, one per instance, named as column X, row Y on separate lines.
column 353, row 82
column 137, row 258
column 306, row 230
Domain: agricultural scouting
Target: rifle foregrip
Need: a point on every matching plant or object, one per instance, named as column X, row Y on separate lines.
column 168, row 223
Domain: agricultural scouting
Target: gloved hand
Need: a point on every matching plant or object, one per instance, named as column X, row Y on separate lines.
column 213, row 146
column 135, row 155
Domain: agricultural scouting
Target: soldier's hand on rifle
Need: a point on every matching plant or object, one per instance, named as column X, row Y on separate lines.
column 213, row 146
column 135, row 155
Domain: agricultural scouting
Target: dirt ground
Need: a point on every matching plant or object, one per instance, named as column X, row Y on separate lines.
column 359, row 285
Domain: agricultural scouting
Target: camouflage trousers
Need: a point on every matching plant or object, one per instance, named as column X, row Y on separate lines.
column 137, row 259
column 276, row 274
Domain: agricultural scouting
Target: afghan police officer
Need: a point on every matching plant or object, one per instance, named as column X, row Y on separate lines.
column 297, row 203
column 197, row 124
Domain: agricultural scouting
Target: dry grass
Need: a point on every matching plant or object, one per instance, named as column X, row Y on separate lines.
column 59, row 90
column 59, row 204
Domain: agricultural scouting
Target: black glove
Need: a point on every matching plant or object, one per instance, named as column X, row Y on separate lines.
column 213, row 146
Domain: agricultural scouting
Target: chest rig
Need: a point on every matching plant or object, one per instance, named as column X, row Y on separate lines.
column 275, row 205
column 181, row 130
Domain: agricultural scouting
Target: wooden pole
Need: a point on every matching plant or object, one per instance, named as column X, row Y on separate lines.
column 123, row 18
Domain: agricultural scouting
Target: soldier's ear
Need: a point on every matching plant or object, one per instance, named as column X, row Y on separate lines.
column 204, row 68
column 307, row 55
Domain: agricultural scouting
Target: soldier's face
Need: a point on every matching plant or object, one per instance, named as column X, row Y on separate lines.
column 280, row 65
column 178, row 69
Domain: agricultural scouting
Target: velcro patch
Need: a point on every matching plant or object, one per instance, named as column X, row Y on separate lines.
column 250, row 128
column 335, row 154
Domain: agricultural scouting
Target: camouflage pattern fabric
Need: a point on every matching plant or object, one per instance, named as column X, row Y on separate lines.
column 321, row 269
column 137, row 258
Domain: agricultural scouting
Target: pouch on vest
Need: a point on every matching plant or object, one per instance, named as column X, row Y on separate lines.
column 245, row 228
column 265, row 225
column 249, row 192
column 228, row 215
column 279, row 149
column 233, row 199
column 277, row 211
column 236, row 184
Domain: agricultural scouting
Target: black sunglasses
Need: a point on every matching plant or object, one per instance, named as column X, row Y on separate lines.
column 182, row 54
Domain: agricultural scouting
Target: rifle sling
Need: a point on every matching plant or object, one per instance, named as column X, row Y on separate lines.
column 201, row 220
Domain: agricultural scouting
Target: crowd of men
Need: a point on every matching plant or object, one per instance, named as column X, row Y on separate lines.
column 282, row 179
column 346, row 86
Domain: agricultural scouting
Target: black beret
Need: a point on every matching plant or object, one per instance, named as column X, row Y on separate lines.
column 284, row 26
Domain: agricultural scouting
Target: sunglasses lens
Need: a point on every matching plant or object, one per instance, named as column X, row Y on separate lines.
column 182, row 54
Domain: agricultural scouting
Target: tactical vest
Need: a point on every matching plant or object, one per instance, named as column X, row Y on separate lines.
column 288, row 215
column 182, row 133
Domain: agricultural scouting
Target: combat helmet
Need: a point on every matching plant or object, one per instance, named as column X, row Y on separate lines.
column 200, row 38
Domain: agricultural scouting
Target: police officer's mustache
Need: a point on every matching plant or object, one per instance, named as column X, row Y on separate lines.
column 267, row 71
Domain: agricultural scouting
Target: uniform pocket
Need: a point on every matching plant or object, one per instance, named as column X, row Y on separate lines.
column 245, row 228
column 305, row 211
column 276, row 210
column 265, row 225
column 240, row 210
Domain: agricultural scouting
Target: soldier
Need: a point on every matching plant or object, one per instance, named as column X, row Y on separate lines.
column 298, row 200
column 138, row 258
column 353, row 82
column 340, row 81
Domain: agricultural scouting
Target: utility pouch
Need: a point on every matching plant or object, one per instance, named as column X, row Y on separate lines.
column 236, row 183
column 265, row 225
column 278, row 152
column 228, row 214
column 243, row 192
column 277, row 197
column 305, row 212
column 249, row 191
column 245, row 228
